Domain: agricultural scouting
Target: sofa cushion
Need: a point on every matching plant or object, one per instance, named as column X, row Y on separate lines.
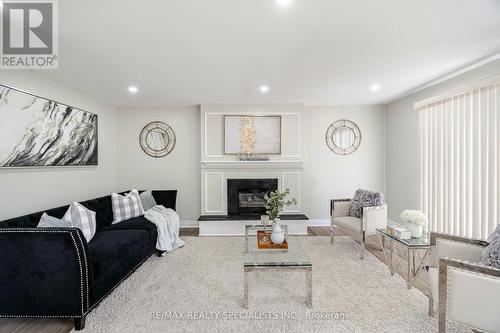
column 136, row 223
column 348, row 222
column 363, row 198
column 115, row 254
column 109, row 248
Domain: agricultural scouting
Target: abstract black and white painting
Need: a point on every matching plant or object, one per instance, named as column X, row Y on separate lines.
column 38, row 132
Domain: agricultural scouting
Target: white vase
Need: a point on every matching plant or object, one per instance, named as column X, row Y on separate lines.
column 414, row 229
column 277, row 237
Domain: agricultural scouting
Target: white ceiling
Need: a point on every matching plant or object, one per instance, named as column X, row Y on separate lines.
column 313, row 52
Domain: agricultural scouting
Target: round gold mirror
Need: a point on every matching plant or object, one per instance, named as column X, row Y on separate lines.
column 157, row 139
column 343, row 137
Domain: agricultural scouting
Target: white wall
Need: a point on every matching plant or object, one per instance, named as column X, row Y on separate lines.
column 402, row 139
column 179, row 170
column 25, row 191
column 212, row 129
column 123, row 164
column 325, row 175
column 328, row 175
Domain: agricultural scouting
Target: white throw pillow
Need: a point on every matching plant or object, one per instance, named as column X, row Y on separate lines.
column 81, row 218
column 77, row 216
column 126, row 207
column 47, row 221
column 147, row 200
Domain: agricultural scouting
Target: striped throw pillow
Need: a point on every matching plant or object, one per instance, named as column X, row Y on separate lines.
column 81, row 218
column 126, row 207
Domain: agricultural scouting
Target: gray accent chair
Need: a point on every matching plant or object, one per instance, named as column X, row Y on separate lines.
column 462, row 289
column 372, row 218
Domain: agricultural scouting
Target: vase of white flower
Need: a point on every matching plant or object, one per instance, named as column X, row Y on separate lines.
column 415, row 229
column 415, row 221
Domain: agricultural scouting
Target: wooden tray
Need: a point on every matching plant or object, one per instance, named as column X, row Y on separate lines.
column 268, row 245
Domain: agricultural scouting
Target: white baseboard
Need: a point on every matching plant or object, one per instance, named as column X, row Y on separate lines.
column 237, row 228
column 318, row 222
column 310, row 223
column 189, row 224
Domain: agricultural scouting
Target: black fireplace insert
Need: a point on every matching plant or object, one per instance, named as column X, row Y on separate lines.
column 245, row 197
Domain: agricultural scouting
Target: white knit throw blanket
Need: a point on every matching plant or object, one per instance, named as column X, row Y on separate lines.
column 167, row 223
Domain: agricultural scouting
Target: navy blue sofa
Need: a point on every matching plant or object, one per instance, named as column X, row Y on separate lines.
column 55, row 273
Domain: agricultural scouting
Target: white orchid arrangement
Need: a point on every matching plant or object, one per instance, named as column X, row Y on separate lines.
column 414, row 216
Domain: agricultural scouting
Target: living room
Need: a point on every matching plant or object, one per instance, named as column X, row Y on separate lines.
column 270, row 165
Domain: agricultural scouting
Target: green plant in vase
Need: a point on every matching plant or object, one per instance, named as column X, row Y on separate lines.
column 275, row 202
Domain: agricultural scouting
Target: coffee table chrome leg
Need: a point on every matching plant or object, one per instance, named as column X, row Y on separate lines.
column 309, row 296
column 245, row 288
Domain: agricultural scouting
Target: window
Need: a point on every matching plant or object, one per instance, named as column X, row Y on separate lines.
column 459, row 155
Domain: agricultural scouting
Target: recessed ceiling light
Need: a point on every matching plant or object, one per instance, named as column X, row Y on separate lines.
column 133, row 89
column 264, row 89
column 283, row 3
column 375, row 87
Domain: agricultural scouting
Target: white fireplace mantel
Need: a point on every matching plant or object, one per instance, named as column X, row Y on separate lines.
column 216, row 167
column 214, row 176
column 281, row 164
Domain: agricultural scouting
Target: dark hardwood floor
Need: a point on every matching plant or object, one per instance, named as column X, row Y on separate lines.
column 8, row 325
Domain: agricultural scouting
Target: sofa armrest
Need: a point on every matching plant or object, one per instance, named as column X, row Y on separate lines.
column 461, row 248
column 468, row 293
column 374, row 218
column 167, row 198
column 340, row 207
column 44, row 272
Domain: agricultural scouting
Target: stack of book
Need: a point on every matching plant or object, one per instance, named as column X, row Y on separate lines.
column 399, row 232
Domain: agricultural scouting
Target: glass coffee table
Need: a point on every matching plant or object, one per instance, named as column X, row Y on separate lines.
column 293, row 259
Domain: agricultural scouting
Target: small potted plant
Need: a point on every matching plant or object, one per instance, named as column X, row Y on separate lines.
column 415, row 221
column 275, row 202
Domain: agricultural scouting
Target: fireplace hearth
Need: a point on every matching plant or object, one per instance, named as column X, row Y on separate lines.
column 245, row 197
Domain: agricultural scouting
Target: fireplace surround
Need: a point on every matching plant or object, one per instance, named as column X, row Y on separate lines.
column 245, row 197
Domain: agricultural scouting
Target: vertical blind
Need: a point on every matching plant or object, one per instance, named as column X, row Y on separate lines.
column 459, row 172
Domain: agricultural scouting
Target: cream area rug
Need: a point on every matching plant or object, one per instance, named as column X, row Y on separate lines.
column 199, row 288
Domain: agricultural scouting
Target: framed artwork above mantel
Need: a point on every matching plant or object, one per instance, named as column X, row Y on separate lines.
column 252, row 134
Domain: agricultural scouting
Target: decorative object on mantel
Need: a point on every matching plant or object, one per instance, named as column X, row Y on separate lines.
column 275, row 202
column 252, row 157
column 415, row 221
column 343, row 137
column 252, row 135
column 39, row 132
column 157, row 139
